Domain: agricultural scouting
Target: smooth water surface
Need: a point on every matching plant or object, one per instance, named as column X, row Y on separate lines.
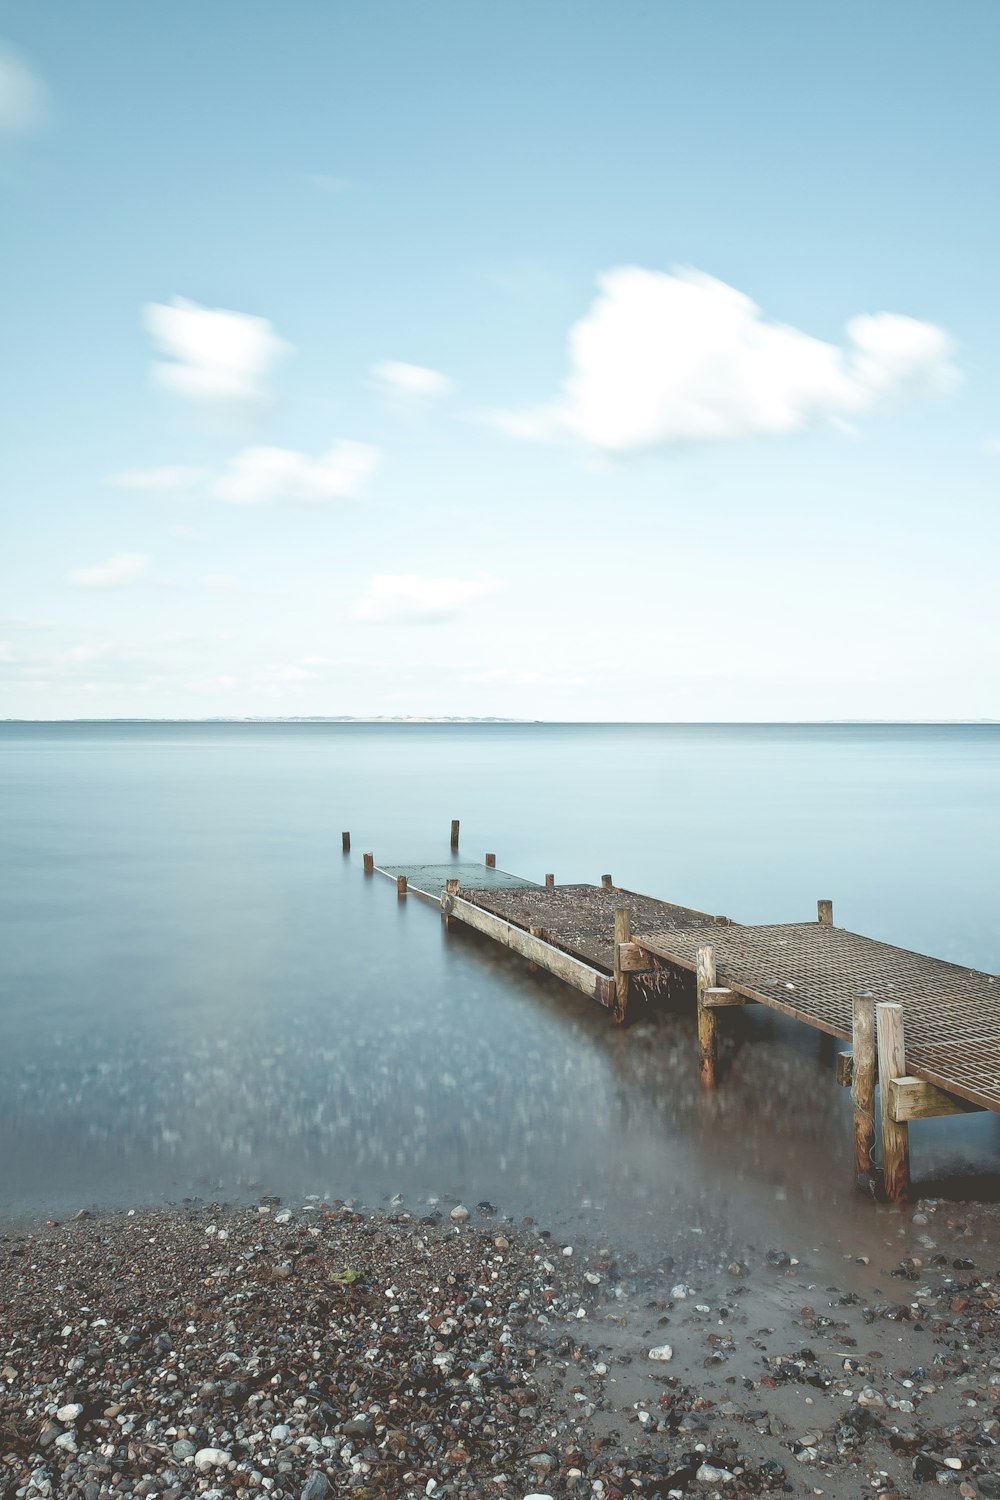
column 199, row 994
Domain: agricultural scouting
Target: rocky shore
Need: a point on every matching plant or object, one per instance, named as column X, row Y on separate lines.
column 316, row 1350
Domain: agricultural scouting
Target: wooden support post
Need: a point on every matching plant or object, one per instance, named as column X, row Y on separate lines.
column 550, row 880
column 895, row 1134
column 607, row 882
column 623, row 935
column 450, row 886
column 708, row 1024
column 863, row 1085
column 400, row 885
column 491, row 861
column 824, row 913
column 454, row 833
column 345, row 839
column 536, row 932
column 369, row 860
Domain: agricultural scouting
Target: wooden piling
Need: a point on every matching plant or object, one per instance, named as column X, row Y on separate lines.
column 550, row 880
column 708, row 1025
column 454, row 833
column 824, row 913
column 491, row 861
column 369, row 860
column 895, row 1134
column 345, row 840
column 607, row 882
column 536, row 932
column 623, row 934
column 450, row 888
column 863, row 1085
column 400, row 885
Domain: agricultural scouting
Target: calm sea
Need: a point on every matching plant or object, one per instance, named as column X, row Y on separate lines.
column 200, row 995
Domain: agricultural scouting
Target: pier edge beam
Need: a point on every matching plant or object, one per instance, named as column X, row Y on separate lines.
column 824, row 913
column 863, row 1085
column 454, row 833
column 623, row 934
column 345, row 842
column 369, row 862
column 892, row 1064
column 708, row 1023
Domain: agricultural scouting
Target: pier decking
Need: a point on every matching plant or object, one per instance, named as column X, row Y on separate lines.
column 928, row 1030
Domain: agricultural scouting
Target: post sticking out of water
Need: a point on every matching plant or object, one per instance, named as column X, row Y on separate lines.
column 623, row 934
column 369, row 860
column 454, row 833
column 450, row 887
column 863, row 1085
column 607, row 882
column 708, row 1025
column 345, row 839
column 550, row 880
column 400, row 885
column 824, row 913
column 892, row 1064
column 491, row 861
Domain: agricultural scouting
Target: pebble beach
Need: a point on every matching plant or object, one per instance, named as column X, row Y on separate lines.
column 302, row 1351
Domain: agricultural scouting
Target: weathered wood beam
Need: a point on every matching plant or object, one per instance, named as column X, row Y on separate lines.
column 345, row 840
column 623, row 938
column 708, row 1024
column 864, row 1071
column 845, row 1069
column 717, row 997
column 915, row 1099
column 491, row 861
column 454, row 833
column 570, row 970
column 369, row 863
column 895, row 1133
column 824, row 913
column 401, row 884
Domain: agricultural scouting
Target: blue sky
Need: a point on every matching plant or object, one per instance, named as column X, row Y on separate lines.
column 546, row 360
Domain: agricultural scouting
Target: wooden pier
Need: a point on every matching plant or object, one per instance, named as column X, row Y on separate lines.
column 926, row 1031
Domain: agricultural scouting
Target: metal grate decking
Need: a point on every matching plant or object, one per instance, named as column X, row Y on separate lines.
column 951, row 1015
column 430, row 880
column 580, row 919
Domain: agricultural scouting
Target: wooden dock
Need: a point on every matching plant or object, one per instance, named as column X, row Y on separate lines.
column 927, row 1029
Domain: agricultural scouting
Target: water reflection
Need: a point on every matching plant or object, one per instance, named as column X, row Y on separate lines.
column 203, row 996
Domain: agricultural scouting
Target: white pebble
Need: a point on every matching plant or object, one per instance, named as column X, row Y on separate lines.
column 210, row 1458
column 460, row 1213
column 662, row 1351
column 69, row 1413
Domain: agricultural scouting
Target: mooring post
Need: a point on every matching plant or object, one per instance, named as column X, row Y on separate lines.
column 454, row 833
column 345, row 839
column 491, row 861
column 623, row 934
column 824, row 913
column 892, row 1064
column 708, row 1025
column 550, row 880
column 400, row 885
column 369, row 860
column 607, row 882
column 863, row 1086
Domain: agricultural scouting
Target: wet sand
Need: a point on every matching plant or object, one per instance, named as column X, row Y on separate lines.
column 318, row 1349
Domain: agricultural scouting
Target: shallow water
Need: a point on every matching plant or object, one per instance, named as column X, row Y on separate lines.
column 202, row 995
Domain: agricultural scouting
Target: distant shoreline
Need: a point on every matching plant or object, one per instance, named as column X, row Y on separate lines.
column 460, row 719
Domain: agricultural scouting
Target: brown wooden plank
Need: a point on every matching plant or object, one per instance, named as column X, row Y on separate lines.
column 581, row 976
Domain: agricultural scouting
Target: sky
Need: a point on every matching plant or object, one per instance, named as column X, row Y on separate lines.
column 559, row 360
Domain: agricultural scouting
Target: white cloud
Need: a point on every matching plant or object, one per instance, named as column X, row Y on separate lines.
column 24, row 99
column 257, row 476
column 124, row 568
column 210, row 353
column 166, row 477
column 670, row 357
column 410, row 599
column 396, row 378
